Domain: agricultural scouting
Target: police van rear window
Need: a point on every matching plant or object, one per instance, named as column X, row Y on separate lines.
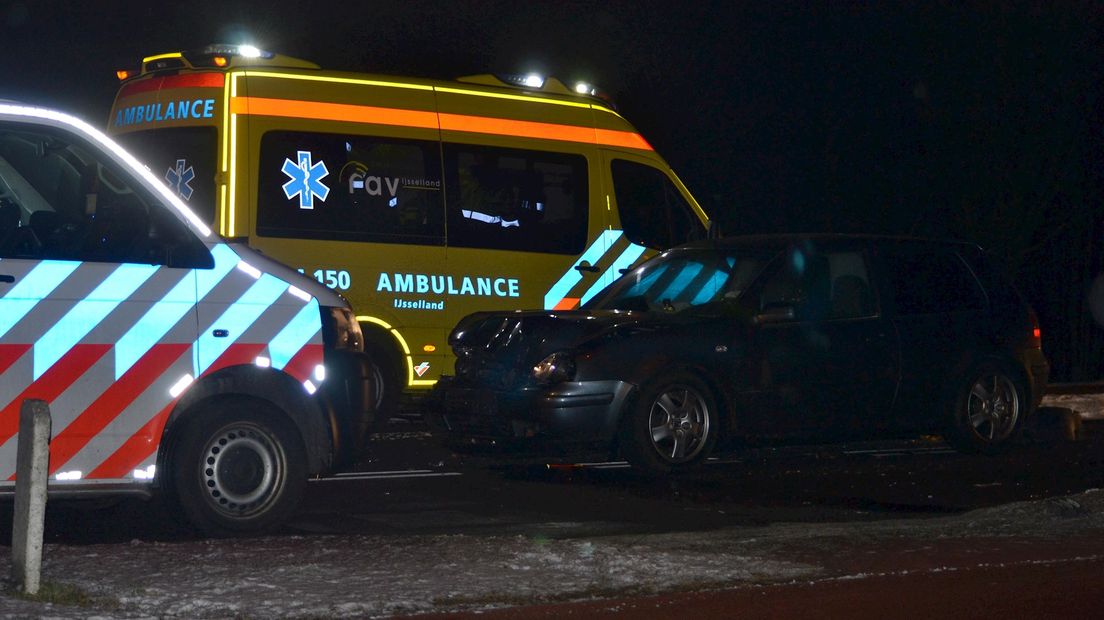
column 352, row 188
column 514, row 199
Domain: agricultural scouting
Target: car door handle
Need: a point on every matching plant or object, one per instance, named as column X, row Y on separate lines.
column 6, row 278
column 584, row 266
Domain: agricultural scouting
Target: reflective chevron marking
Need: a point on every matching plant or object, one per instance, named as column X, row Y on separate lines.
column 624, row 261
column 572, row 276
column 174, row 306
column 88, row 313
column 52, row 383
column 295, row 335
column 236, row 319
column 112, row 402
column 31, row 289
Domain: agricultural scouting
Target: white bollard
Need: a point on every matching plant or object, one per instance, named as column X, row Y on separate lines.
column 31, row 474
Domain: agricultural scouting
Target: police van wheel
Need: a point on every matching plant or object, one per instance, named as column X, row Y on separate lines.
column 238, row 471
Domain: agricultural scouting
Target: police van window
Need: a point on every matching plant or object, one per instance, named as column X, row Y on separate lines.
column 512, row 199
column 185, row 158
column 59, row 202
column 926, row 282
column 352, row 188
column 653, row 212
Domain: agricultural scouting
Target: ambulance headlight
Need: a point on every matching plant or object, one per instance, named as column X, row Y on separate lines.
column 555, row 368
column 340, row 330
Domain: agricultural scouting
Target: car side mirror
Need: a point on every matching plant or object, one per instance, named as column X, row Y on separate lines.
column 778, row 313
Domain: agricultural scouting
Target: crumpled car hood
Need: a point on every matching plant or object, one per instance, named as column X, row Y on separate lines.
column 500, row 347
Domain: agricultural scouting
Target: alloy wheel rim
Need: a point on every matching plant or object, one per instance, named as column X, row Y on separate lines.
column 679, row 424
column 993, row 408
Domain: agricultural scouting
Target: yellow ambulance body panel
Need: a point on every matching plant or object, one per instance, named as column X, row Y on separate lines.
column 421, row 201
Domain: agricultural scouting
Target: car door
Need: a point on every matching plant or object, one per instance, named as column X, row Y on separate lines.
column 97, row 300
column 822, row 359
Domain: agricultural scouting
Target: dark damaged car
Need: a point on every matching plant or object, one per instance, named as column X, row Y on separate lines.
column 754, row 339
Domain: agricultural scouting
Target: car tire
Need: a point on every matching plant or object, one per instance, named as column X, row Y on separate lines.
column 239, row 468
column 988, row 409
column 671, row 426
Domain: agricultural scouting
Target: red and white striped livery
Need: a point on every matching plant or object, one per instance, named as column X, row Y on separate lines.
column 170, row 357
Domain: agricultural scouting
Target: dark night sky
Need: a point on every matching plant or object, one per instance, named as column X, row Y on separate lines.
column 983, row 122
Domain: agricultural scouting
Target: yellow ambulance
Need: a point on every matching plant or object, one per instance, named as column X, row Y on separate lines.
column 419, row 200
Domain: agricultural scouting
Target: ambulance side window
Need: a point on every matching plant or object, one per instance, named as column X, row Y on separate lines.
column 59, row 201
column 653, row 212
column 351, row 188
column 513, row 199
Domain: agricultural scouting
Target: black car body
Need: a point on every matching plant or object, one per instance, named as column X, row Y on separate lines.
column 800, row 337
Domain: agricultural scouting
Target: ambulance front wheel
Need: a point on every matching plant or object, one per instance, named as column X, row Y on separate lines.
column 240, row 468
column 387, row 379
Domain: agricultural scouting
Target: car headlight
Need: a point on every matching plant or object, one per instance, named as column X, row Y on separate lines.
column 340, row 330
column 559, row 366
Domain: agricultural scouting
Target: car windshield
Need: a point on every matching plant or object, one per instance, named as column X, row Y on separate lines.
column 681, row 279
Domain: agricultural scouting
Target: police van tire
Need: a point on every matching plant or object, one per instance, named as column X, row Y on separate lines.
column 239, row 468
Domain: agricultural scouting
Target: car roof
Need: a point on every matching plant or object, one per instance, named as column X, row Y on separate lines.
column 781, row 239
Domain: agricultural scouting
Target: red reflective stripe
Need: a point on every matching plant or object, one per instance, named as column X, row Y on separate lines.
column 333, row 112
column 235, row 355
column 52, row 383
column 135, row 450
column 567, row 303
column 112, row 402
column 302, row 364
column 9, row 353
column 423, row 119
column 189, row 80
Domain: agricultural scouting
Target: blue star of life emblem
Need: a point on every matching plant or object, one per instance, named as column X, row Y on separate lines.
column 306, row 180
column 180, row 179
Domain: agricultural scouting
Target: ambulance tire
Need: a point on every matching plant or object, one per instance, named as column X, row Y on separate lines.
column 239, row 468
column 386, row 380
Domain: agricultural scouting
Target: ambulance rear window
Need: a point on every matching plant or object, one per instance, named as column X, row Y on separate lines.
column 513, row 199
column 184, row 158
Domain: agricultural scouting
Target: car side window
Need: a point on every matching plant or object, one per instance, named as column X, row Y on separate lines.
column 819, row 285
column 930, row 281
column 59, row 201
column 653, row 212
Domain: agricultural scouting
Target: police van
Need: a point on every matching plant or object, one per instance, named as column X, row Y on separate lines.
column 421, row 201
column 171, row 359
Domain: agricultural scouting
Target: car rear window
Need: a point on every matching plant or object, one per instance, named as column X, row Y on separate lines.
column 928, row 281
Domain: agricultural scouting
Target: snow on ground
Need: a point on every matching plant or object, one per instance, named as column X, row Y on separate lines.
column 364, row 576
column 1089, row 406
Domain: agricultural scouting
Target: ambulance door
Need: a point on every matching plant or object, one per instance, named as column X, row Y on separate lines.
column 354, row 200
column 649, row 205
column 97, row 305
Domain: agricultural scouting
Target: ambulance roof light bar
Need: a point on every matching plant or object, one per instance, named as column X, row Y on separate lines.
column 533, row 81
column 219, row 56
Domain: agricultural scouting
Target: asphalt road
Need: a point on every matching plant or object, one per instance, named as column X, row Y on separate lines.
column 410, row 485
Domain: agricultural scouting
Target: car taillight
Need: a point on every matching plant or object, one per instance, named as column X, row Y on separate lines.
column 1036, row 333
